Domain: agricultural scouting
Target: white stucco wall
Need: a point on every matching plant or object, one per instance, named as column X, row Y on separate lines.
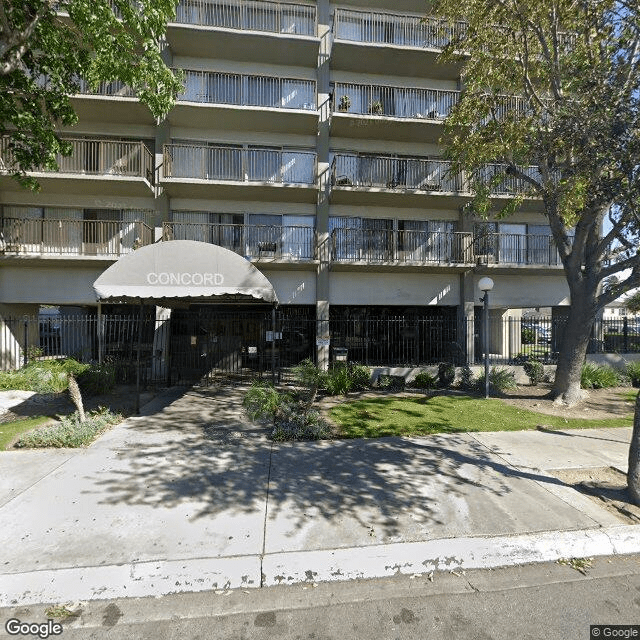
column 293, row 287
column 527, row 290
column 406, row 289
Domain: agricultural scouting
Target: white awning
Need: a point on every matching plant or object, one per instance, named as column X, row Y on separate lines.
column 183, row 269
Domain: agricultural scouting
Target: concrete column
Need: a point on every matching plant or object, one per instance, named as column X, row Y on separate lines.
column 12, row 333
column 161, row 341
column 469, row 297
column 324, row 186
column 162, row 204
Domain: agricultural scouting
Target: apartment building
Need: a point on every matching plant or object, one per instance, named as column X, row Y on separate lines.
column 306, row 141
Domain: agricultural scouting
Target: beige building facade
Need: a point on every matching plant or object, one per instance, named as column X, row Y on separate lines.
column 306, row 140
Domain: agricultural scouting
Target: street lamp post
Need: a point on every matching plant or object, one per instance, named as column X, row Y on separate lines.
column 485, row 285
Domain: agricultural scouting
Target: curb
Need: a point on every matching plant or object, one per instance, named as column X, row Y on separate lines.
column 158, row 578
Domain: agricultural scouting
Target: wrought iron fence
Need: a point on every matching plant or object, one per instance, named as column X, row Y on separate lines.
column 257, row 242
column 248, row 90
column 253, row 15
column 73, row 237
column 217, row 162
column 399, row 102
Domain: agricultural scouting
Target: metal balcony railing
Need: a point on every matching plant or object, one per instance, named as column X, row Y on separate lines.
column 393, row 28
column 399, row 102
column 289, row 243
column 515, row 249
column 248, row 90
column 214, row 162
column 401, row 246
column 509, row 184
column 250, row 15
column 362, row 170
column 115, row 89
column 73, row 237
column 97, row 157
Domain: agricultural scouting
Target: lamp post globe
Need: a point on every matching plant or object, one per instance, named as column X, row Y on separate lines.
column 485, row 284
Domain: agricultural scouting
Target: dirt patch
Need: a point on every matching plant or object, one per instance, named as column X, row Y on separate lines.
column 599, row 404
column 605, row 485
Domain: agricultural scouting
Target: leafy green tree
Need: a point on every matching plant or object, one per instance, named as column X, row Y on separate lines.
column 550, row 94
column 47, row 47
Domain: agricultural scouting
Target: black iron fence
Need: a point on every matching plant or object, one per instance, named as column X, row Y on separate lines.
column 195, row 346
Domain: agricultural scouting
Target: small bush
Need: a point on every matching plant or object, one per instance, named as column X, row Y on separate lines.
column 499, row 380
column 599, row 377
column 446, row 374
column 424, row 380
column 527, row 335
column 308, row 375
column 466, row 377
column 97, row 379
column 300, row 425
column 391, row 383
column 633, row 373
column 534, row 370
column 70, row 432
column 262, row 400
column 343, row 378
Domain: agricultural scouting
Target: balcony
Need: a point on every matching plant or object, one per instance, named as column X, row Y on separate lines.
column 259, row 243
column 65, row 237
column 232, row 101
column 396, row 181
column 391, row 113
column 515, row 250
column 105, row 167
column 110, row 102
column 402, row 247
column 363, row 40
column 246, row 30
column 233, row 172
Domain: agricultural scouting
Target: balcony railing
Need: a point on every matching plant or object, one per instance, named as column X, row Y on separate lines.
column 246, row 90
column 115, row 88
column 398, row 29
column 250, row 15
column 352, row 170
column 288, row 243
column 73, row 237
column 209, row 162
column 98, row 157
column 399, row 102
column 401, row 246
column 515, row 249
column 509, row 184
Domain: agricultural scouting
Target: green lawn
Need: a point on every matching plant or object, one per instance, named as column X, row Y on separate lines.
column 377, row 417
column 9, row 430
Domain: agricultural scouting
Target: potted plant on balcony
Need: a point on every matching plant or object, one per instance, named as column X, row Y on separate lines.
column 345, row 103
column 376, row 108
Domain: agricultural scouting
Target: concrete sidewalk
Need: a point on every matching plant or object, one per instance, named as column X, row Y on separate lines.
column 191, row 497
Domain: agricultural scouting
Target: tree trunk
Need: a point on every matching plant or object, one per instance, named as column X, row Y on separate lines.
column 633, row 474
column 76, row 396
column 577, row 333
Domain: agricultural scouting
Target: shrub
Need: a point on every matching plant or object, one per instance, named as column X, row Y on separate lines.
column 534, row 370
column 70, row 432
column 424, row 380
column 499, row 380
column 466, row 377
column 300, row 425
column 527, row 335
column 446, row 374
column 98, row 379
column 343, row 378
column 391, row 383
column 262, row 400
column 598, row 377
column 633, row 373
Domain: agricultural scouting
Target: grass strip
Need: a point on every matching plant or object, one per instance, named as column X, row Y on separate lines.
column 379, row 417
column 9, row 430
